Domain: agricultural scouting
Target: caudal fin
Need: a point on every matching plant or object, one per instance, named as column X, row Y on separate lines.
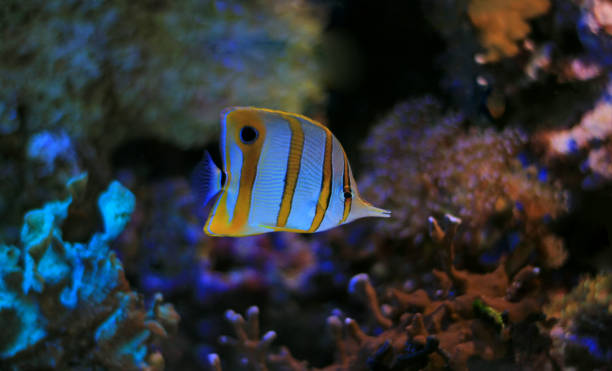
column 206, row 180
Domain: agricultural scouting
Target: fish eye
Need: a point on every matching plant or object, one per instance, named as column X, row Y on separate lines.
column 248, row 134
column 348, row 195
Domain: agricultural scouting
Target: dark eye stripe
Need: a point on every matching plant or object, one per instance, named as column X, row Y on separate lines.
column 348, row 194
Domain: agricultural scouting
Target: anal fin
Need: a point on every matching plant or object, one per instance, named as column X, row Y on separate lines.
column 282, row 229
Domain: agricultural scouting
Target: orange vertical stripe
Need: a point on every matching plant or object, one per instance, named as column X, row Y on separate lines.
column 293, row 169
column 325, row 193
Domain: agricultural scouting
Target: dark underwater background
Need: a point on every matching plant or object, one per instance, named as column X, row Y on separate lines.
column 485, row 126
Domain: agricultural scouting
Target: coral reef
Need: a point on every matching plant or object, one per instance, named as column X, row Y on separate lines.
column 471, row 315
column 576, row 68
column 498, row 177
column 562, row 55
column 51, row 159
column 591, row 138
column 77, row 81
column 80, row 81
column 67, row 304
column 255, row 349
column 465, row 318
column 425, row 163
column 584, row 319
column 165, row 70
column 503, row 23
column 164, row 250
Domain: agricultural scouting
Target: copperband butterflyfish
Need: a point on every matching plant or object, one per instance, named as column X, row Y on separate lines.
column 281, row 172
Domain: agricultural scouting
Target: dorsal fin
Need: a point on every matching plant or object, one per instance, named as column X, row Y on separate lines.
column 206, row 180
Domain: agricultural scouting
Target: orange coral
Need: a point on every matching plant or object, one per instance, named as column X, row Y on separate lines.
column 502, row 23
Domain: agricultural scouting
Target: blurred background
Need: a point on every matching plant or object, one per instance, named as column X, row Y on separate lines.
column 495, row 112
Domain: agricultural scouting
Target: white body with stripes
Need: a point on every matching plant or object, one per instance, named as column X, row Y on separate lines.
column 284, row 172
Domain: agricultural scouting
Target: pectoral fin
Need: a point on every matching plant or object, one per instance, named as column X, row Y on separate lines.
column 206, row 180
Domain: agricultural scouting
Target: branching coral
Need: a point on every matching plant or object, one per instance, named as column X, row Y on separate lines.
column 475, row 314
column 581, row 337
column 50, row 158
column 472, row 315
column 68, row 303
column 160, row 69
column 503, row 23
column 255, row 350
column 424, row 163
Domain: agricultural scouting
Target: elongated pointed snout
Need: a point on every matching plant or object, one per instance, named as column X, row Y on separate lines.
column 363, row 209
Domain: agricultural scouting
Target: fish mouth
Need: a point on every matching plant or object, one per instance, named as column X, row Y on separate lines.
column 384, row 213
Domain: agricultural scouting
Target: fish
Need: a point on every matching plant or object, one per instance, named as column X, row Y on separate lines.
column 281, row 171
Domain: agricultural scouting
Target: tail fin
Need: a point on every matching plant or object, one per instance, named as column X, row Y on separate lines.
column 206, row 180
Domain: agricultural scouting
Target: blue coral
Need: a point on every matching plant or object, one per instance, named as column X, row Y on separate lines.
column 20, row 316
column 56, row 295
column 48, row 147
column 116, row 205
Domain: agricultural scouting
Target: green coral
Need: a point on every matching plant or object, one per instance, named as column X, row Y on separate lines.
column 117, row 68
